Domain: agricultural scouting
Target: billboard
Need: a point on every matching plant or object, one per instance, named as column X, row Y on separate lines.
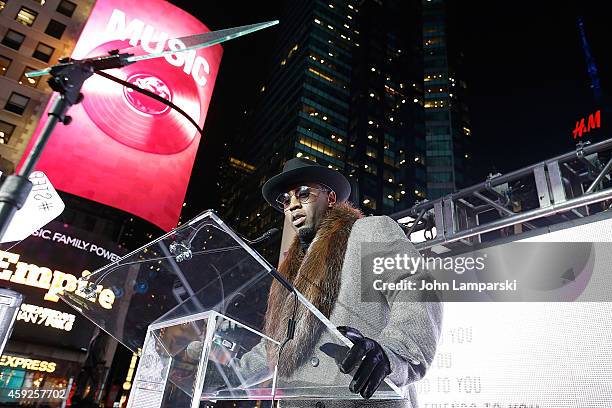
column 526, row 354
column 124, row 149
column 43, row 266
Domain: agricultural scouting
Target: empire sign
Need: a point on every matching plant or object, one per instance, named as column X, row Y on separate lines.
column 55, row 282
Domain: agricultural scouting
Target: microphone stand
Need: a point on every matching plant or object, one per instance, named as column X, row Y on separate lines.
column 67, row 79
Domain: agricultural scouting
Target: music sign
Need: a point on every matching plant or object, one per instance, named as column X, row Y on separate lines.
column 124, row 149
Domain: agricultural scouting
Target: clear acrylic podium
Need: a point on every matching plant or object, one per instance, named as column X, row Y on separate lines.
column 193, row 303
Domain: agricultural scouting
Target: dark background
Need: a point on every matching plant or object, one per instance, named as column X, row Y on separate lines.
column 527, row 76
column 526, row 73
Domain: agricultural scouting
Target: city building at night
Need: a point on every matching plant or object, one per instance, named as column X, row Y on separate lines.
column 447, row 126
column 345, row 91
column 230, row 170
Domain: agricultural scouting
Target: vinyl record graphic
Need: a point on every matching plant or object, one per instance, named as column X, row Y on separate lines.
column 137, row 120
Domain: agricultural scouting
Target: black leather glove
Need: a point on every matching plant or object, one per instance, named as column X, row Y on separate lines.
column 371, row 360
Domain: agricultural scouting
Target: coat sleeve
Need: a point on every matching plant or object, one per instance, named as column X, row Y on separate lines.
column 414, row 325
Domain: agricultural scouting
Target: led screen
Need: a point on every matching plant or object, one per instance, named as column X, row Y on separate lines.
column 528, row 354
column 124, row 149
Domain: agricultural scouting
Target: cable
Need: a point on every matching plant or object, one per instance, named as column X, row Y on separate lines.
column 290, row 334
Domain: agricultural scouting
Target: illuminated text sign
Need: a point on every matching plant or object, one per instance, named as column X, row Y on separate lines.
column 139, row 33
column 44, row 316
column 582, row 126
column 54, row 281
column 27, row 363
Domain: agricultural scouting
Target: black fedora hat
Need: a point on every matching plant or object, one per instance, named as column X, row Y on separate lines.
column 296, row 171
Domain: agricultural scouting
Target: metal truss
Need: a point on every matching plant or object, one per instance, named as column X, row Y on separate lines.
column 572, row 186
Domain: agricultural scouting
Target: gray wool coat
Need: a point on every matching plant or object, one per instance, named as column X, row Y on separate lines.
column 407, row 327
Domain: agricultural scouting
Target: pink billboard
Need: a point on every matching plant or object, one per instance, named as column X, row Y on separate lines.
column 124, row 149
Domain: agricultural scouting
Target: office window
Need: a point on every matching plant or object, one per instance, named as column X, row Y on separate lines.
column 66, row 8
column 13, row 39
column 17, row 103
column 5, row 63
column 43, row 52
column 388, row 176
column 28, row 81
column 26, row 16
column 370, row 168
column 369, row 202
column 370, row 151
column 6, row 131
column 440, row 177
column 389, row 160
column 55, row 29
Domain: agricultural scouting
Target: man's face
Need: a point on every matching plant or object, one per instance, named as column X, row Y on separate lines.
column 306, row 217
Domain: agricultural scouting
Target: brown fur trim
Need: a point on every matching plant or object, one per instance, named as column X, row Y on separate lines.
column 316, row 275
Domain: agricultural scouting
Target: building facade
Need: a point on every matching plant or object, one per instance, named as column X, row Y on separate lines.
column 346, row 92
column 386, row 131
column 448, row 131
column 34, row 35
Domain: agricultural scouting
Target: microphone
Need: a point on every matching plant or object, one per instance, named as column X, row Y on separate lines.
column 263, row 237
column 267, row 235
column 182, row 249
column 182, row 252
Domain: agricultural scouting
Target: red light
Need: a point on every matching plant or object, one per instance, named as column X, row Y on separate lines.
column 593, row 122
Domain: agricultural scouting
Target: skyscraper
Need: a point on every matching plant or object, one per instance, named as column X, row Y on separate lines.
column 345, row 91
column 386, row 131
column 448, row 131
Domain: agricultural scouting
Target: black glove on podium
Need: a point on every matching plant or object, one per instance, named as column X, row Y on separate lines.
column 371, row 360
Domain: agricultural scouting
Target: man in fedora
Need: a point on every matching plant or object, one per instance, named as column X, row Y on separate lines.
column 394, row 337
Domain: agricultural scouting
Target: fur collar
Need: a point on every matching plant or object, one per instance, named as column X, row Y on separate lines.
column 316, row 275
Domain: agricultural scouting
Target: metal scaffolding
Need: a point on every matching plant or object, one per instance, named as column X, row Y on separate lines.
column 569, row 187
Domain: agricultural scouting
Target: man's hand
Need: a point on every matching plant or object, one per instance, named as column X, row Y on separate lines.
column 372, row 362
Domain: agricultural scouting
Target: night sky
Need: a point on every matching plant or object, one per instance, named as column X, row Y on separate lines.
column 526, row 74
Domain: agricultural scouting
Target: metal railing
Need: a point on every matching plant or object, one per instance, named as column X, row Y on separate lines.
column 567, row 187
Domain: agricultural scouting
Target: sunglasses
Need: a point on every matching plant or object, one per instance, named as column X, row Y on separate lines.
column 304, row 194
